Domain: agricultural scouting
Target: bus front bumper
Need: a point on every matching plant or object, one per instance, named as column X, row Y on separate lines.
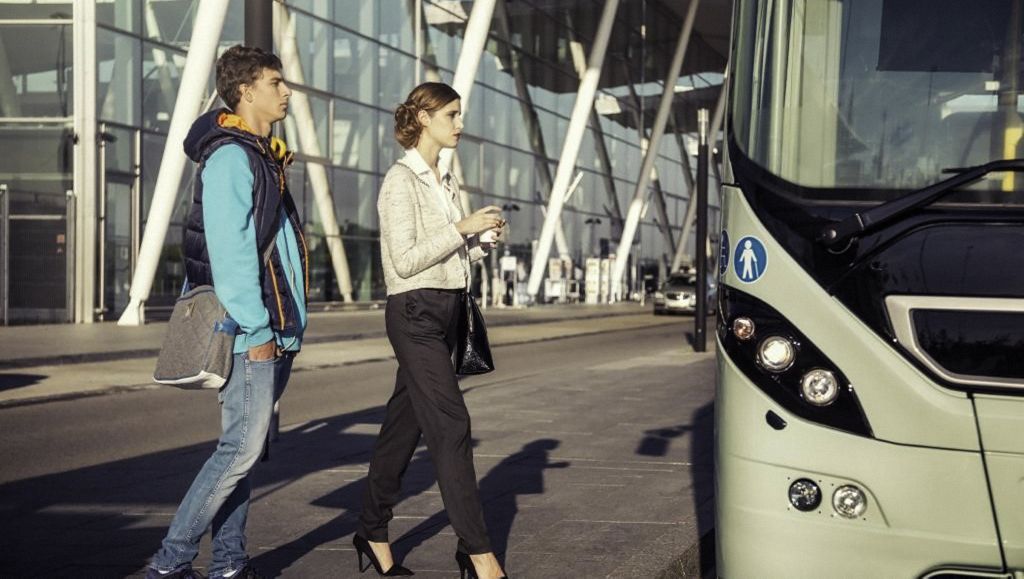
column 927, row 508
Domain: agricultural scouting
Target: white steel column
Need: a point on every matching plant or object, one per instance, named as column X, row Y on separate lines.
column 209, row 21
column 691, row 205
column 473, row 43
column 85, row 155
column 640, row 193
column 660, row 204
column 571, row 147
column 306, row 128
column 531, row 119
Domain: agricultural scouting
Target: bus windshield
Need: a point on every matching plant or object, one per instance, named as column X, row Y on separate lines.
column 862, row 100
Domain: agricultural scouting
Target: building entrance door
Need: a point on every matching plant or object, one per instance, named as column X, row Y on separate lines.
column 119, row 240
column 34, row 264
column 119, row 222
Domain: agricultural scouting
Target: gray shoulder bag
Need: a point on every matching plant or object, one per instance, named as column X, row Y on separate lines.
column 199, row 346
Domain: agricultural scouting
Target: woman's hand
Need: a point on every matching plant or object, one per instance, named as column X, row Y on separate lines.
column 487, row 218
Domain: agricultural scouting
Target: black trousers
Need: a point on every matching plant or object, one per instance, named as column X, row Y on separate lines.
column 422, row 326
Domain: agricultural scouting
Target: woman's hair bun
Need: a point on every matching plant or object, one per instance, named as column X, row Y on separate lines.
column 407, row 125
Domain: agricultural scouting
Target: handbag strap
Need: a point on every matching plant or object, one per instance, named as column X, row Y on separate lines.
column 469, row 312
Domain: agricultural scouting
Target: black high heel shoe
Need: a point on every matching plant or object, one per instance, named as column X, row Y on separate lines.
column 466, row 567
column 363, row 548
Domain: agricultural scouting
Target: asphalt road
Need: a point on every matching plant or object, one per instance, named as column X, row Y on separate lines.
column 88, row 485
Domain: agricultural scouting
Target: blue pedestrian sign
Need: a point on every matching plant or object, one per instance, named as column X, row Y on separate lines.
column 723, row 253
column 750, row 259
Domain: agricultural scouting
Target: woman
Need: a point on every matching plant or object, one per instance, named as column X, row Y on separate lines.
column 426, row 246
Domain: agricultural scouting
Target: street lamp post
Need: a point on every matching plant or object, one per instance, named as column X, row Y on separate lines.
column 700, row 319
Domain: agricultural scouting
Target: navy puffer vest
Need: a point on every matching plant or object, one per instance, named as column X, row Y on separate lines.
column 270, row 196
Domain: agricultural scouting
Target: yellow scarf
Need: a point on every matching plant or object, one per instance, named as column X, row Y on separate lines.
column 278, row 148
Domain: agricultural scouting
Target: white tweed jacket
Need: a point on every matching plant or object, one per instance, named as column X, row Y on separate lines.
column 420, row 247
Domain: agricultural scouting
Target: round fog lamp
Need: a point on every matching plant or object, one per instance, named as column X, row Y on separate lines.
column 819, row 387
column 849, row 501
column 743, row 328
column 776, row 354
column 804, row 495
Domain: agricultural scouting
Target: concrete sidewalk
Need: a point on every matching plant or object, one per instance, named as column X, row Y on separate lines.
column 335, row 339
column 25, row 346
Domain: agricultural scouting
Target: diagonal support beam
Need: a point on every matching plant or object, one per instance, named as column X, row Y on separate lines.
column 614, row 210
column 529, row 116
column 284, row 29
column 660, row 120
column 571, row 148
column 209, row 22
column 474, row 42
column 659, row 201
column 579, row 60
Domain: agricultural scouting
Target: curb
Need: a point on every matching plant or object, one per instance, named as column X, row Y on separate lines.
column 697, row 562
column 63, row 359
column 57, row 397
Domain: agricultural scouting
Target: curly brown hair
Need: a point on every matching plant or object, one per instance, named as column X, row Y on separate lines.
column 242, row 65
column 430, row 97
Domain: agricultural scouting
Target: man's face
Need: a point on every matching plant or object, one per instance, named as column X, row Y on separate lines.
column 268, row 97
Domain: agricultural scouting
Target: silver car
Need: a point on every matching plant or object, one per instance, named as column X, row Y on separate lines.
column 679, row 295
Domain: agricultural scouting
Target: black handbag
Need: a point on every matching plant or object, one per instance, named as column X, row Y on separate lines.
column 473, row 355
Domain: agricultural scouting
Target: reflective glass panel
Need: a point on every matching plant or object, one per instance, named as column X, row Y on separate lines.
column 35, row 71
column 313, row 40
column 355, row 129
column 122, row 14
column 355, row 66
column 397, row 77
column 397, row 22
column 161, row 76
column 358, row 15
column 117, row 91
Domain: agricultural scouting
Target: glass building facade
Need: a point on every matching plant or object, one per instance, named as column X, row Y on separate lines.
column 359, row 59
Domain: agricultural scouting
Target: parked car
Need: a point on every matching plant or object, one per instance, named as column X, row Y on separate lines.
column 678, row 294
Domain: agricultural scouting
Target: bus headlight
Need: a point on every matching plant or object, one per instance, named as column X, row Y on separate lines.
column 849, row 501
column 743, row 328
column 804, row 495
column 819, row 387
column 776, row 354
column 783, row 363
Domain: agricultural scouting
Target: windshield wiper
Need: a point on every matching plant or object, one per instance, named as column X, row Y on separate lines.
column 880, row 215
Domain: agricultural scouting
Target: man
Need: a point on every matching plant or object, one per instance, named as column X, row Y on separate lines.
column 244, row 237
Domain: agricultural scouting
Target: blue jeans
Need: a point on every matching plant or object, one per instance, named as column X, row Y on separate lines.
column 219, row 495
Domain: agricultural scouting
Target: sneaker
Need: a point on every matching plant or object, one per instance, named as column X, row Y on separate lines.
column 183, row 572
column 247, row 572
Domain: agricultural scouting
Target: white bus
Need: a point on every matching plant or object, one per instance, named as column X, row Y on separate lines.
column 870, row 402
